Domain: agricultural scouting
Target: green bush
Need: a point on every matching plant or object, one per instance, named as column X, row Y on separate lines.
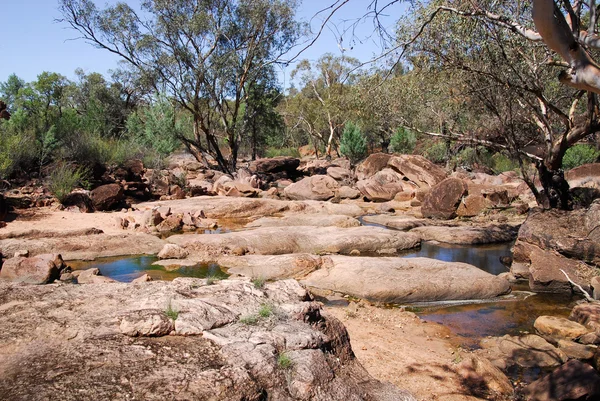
column 64, row 178
column 284, row 362
column 578, row 155
column 470, row 156
column 436, row 152
column 275, row 152
column 403, row 141
column 502, row 163
column 353, row 144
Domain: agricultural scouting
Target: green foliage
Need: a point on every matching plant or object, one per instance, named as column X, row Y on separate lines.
column 502, row 163
column 212, row 279
column 265, row 310
column 171, row 313
column 470, row 157
column 353, row 144
column 275, row 152
column 403, row 141
column 437, row 152
column 259, row 282
column 249, row 320
column 578, row 155
column 284, row 362
column 64, row 178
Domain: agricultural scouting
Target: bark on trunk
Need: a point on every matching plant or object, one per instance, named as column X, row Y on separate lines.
column 556, row 188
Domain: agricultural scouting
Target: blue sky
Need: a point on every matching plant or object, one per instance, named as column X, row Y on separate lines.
column 32, row 42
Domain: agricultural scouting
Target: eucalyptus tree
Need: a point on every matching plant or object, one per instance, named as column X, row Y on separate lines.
column 325, row 84
column 205, row 53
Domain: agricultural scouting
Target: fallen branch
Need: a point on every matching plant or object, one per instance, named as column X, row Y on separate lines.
column 580, row 288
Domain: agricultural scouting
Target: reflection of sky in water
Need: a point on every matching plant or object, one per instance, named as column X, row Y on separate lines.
column 486, row 257
column 128, row 269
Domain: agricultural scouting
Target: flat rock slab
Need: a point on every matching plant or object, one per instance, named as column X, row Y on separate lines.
column 467, row 235
column 277, row 267
column 221, row 207
column 402, row 223
column 86, row 247
column 403, row 280
column 110, row 342
column 283, row 240
column 314, row 220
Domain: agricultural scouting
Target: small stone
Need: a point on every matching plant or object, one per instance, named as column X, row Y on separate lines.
column 22, row 253
column 355, row 252
column 142, row 279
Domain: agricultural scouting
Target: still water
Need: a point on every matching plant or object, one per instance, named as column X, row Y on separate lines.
column 130, row 268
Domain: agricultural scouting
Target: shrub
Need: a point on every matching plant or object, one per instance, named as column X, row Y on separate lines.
column 353, row 144
column 502, row 163
column 403, row 141
column 578, row 155
column 65, row 178
column 275, row 152
column 265, row 310
column 171, row 313
column 437, row 152
column 284, row 361
column 249, row 320
column 259, row 282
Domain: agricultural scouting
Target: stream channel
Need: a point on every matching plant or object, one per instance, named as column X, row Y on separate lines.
column 471, row 320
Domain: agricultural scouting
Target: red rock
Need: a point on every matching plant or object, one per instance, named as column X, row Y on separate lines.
column 417, row 169
column 572, row 381
column 107, row 197
column 41, row 269
column 443, row 199
column 371, row 165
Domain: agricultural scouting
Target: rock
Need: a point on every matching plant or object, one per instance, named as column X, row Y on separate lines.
column 473, row 205
column 107, row 197
column 543, row 269
column 572, row 381
column 521, row 207
column 339, row 173
column 573, row 234
column 496, row 196
column 418, row 170
column 467, row 235
column 346, row 192
column 92, row 276
column 443, row 199
column 314, row 167
column 372, row 164
column 595, row 284
column 41, row 269
column 318, row 187
column 278, row 267
column 221, row 359
column 22, row 253
column 587, row 314
column 312, row 220
column 81, row 200
column 315, row 240
column 172, row 251
column 172, row 223
column 480, row 375
column 402, row 223
column 273, row 165
column 401, row 280
column 146, row 323
column 577, row 351
column 592, row 338
column 383, row 185
column 3, row 208
column 142, row 279
column 176, row 192
column 559, row 327
column 587, row 175
column 526, row 351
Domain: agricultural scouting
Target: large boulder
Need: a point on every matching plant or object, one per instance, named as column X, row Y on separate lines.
column 555, row 326
column 383, row 185
column 528, row 351
column 313, row 220
column 80, row 200
column 41, row 269
column 552, row 243
column 401, row 280
column 283, row 240
column 98, row 342
column 467, row 235
column 317, row 187
column 587, row 175
column 372, row 164
column 107, row 197
column 572, row 381
column 417, row 169
column 281, row 164
column 443, row 199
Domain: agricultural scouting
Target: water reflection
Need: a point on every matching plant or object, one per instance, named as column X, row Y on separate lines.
column 486, row 257
column 128, row 269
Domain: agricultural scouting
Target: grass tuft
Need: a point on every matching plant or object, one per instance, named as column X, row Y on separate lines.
column 249, row 320
column 284, row 361
column 265, row 310
column 171, row 313
column 259, row 282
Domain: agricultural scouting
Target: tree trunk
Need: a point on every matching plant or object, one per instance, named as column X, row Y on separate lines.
column 556, row 188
